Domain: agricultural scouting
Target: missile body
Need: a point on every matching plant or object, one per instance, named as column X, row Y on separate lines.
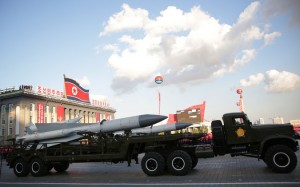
column 162, row 128
column 70, row 131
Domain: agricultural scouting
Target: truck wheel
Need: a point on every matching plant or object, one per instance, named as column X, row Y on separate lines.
column 21, row 168
column 153, row 164
column 194, row 162
column 281, row 159
column 49, row 166
column 38, row 167
column 61, row 167
column 179, row 163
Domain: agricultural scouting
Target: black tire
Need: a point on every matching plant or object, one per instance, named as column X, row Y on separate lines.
column 49, row 167
column 281, row 159
column 153, row 164
column 38, row 167
column 179, row 163
column 61, row 167
column 21, row 168
column 194, row 162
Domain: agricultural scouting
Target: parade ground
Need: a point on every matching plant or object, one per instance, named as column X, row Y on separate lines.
column 218, row 171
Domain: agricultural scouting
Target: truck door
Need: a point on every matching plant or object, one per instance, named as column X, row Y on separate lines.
column 238, row 130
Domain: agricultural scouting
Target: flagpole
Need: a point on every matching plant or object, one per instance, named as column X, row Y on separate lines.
column 158, row 102
column 65, row 85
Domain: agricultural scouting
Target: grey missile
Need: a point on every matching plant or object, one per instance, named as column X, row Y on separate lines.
column 162, row 128
column 69, row 131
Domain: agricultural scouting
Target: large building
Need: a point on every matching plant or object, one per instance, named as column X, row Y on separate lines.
column 20, row 107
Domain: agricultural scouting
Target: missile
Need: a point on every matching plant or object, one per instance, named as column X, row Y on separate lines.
column 74, row 120
column 69, row 131
column 41, row 127
column 161, row 128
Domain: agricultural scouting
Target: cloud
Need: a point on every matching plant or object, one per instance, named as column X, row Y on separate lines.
column 252, row 80
column 84, row 82
column 98, row 97
column 276, row 7
column 269, row 38
column 111, row 47
column 274, row 80
column 281, row 81
column 187, row 48
column 127, row 19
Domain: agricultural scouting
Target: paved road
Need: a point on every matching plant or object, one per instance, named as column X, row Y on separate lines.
column 218, row 171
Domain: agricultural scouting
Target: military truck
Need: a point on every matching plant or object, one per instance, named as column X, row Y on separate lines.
column 274, row 144
column 177, row 153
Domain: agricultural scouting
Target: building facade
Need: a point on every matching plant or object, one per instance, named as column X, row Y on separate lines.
column 19, row 108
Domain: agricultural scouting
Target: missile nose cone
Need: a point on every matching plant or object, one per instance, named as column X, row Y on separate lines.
column 150, row 119
column 182, row 125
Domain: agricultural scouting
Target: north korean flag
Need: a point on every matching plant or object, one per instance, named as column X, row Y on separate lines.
column 75, row 92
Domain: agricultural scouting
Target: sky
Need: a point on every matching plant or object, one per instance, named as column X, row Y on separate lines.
column 204, row 49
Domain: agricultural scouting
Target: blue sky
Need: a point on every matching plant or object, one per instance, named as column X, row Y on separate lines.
column 205, row 50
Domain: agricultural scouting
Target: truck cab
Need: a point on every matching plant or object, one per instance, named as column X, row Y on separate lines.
column 275, row 144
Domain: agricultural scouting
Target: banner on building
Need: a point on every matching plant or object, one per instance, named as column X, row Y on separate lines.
column 40, row 112
column 107, row 117
column 97, row 117
column 60, row 113
column 75, row 92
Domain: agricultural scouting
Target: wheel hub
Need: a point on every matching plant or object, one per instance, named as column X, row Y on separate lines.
column 281, row 159
column 151, row 164
column 178, row 163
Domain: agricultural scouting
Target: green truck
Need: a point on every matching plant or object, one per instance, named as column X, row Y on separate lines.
column 176, row 153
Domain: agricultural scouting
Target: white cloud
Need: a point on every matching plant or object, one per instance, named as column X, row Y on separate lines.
column 98, row 97
column 186, row 47
column 127, row 19
column 283, row 81
column 274, row 80
column 111, row 47
column 84, row 82
column 252, row 80
column 269, row 38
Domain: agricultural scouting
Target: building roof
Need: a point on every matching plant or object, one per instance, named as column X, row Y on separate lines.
column 12, row 93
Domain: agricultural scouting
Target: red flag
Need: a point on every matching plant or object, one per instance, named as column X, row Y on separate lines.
column 60, row 113
column 75, row 92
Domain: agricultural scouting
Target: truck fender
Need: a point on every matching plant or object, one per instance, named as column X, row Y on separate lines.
column 277, row 139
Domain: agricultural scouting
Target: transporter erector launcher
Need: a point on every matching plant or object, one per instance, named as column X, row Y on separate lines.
column 66, row 132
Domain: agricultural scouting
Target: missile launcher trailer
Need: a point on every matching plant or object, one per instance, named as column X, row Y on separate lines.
column 178, row 153
column 179, row 150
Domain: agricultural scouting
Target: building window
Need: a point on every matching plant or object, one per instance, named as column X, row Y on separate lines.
column 31, row 107
column 9, row 131
column 53, row 116
column 10, row 118
column 31, row 117
column 70, row 113
column 46, row 114
column 2, row 130
column 3, row 108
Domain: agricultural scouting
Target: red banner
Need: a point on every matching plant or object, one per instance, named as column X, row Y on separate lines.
column 107, row 116
column 40, row 113
column 97, row 117
column 60, row 113
column 75, row 92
